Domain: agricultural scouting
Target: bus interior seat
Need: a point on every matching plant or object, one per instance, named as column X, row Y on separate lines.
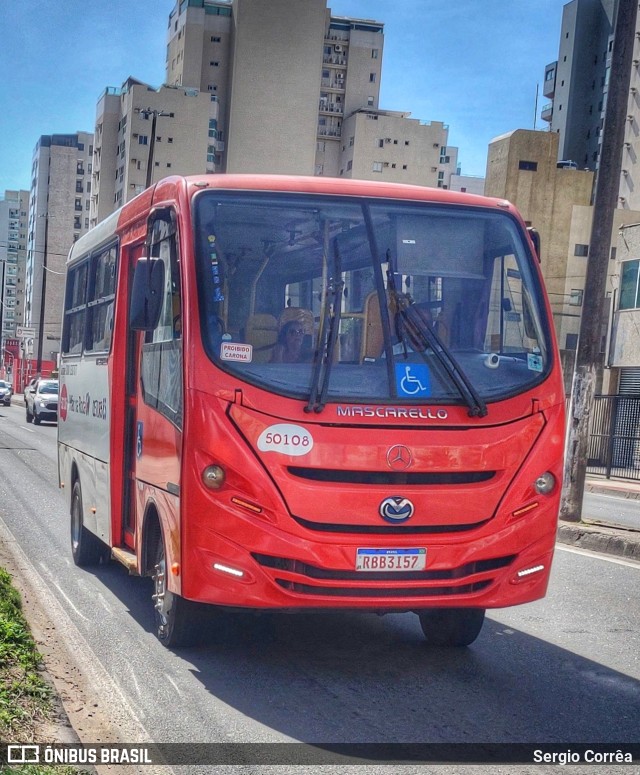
column 261, row 331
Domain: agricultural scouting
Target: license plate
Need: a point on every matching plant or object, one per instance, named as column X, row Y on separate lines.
column 391, row 559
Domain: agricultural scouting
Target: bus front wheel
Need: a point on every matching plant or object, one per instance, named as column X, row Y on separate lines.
column 451, row 626
column 86, row 548
column 174, row 616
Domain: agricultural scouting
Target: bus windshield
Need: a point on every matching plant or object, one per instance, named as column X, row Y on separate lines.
column 331, row 298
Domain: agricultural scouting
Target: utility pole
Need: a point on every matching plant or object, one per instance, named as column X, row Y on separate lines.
column 605, row 201
column 43, row 291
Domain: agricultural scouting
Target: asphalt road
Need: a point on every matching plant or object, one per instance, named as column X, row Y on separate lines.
column 564, row 669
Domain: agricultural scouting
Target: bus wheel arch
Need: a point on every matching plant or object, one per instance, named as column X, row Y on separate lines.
column 86, row 548
column 174, row 616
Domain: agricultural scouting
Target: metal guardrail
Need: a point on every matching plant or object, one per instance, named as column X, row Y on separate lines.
column 614, row 437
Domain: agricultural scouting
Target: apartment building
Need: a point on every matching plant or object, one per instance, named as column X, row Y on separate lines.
column 522, row 167
column 14, row 210
column 144, row 134
column 58, row 215
column 389, row 145
column 295, row 84
column 576, row 83
column 286, row 73
column 280, row 87
column 471, row 184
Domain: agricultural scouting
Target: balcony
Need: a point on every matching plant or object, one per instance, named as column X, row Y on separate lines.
column 334, row 108
column 547, row 112
column 338, row 61
column 333, row 84
column 329, row 131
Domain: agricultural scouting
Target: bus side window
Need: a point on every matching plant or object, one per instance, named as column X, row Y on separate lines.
column 75, row 309
column 161, row 362
column 101, row 299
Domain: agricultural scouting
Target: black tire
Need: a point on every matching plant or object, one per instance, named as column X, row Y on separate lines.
column 451, row 626
column 86, row 548
column 175, row 617
column 36, row 418
column 29, row 415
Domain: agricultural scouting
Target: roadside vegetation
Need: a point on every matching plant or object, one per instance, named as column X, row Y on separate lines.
column 26, row 699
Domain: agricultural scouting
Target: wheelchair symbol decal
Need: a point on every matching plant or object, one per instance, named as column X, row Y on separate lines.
column 412, row 380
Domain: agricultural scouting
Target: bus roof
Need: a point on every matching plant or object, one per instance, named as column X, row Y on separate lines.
column 168, row 189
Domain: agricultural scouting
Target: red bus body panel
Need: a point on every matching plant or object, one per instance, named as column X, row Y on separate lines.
column 283, row 522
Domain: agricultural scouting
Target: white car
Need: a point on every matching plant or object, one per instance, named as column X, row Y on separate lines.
column 6, row 391
column 42, row 403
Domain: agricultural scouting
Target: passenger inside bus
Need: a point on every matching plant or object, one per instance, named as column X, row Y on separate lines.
column 289, row 347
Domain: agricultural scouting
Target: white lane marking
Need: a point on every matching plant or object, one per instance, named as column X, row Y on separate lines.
column 609, row 558
column 48, row 573
column 174, row 684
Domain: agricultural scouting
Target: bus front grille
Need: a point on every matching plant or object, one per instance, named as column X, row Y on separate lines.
column 333, row 527
column 386, row 592
column 301, row 577
column 340, row 476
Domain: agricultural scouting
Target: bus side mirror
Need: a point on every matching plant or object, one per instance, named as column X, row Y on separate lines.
column 147, row 294
column 535, row 238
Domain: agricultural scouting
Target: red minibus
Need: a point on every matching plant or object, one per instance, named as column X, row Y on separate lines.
column 290, row 394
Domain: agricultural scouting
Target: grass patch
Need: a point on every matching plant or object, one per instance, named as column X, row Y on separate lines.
column 26, row 700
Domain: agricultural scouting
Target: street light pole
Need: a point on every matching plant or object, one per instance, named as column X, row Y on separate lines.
column 146, row 112
column 42, row 295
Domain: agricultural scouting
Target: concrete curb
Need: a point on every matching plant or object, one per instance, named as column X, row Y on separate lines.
column 601, row 538
column 619, row 489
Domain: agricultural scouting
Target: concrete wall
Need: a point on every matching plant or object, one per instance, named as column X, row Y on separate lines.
column 261, row 135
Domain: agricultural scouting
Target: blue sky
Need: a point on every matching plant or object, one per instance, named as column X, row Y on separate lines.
column 473, row 64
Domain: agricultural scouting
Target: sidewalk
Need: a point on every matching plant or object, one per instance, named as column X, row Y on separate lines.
column 607, row 539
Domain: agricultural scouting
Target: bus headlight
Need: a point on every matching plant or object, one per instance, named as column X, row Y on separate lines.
column 213, row 477
column 545, row 483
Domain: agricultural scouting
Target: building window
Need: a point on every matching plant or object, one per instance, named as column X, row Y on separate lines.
column 581, row 250
column 532, row 166
column 572, row 342
column 374, row 53
column 372, row 77
column 380, row 143
column 370, row 101
column 214, row 64
column 377, row 166
column 629, row 290
column 349, row 165
column 215, row 39
column 575, row 297
column 143, row 139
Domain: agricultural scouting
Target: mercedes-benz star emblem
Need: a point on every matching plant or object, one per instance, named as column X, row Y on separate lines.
column 396, row 509
column 399, row 457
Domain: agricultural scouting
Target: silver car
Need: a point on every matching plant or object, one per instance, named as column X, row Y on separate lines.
column 6, row 391
column 42, row 403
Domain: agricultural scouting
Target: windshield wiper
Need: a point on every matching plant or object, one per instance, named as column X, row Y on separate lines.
column 328, row 336
column 410, row 323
